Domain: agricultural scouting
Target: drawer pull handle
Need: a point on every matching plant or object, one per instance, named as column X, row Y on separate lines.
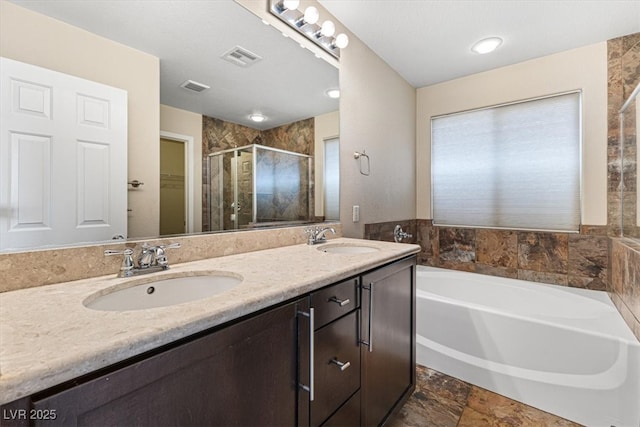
column 341, row 365
column 340, row 302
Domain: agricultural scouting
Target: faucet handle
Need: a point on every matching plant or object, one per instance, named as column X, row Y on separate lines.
column 399, row 234
column 171, row 246
column 126, row 269
column 161, row 256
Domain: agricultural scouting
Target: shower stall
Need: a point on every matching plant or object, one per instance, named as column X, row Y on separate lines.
column 255, row 186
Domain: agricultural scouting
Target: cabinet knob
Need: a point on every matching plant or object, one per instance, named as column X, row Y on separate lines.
column 341, row 365
column 340, row 302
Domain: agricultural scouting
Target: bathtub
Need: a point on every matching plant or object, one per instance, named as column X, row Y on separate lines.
column 563, row 350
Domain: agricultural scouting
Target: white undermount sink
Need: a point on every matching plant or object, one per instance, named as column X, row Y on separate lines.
column 347, row 248
column 163, row 292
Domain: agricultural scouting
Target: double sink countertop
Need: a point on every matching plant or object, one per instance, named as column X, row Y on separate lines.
column 47, row 335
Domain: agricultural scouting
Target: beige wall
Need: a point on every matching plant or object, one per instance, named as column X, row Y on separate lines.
column 186, row 123
column 377, row 114
column 583, row 68
column 33, row 38
column 326, row 126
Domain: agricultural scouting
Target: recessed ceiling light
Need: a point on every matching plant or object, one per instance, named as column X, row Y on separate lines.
column 333, row 93
column 257, row 118
column 486, row 45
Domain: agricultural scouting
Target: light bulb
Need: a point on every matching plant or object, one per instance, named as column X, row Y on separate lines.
column 486, row 45
column 328, row 29
column 291, row 4
column 333, row 93
column 311, row 15
column 342, row 40
column 257, row 118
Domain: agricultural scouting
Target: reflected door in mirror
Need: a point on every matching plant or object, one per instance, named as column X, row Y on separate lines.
column 63, row 148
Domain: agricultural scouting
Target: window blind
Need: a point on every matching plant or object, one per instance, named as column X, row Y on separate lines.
column 332, row 179
column 511, row 166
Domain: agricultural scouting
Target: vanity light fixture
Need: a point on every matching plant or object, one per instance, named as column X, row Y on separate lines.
column 308, row 24
column 333, row 93
column 257, row 117
column 486, row 45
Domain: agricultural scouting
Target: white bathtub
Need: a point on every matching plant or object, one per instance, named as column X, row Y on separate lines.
column 563, row 350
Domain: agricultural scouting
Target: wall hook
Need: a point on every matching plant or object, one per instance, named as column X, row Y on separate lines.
column 358, row 156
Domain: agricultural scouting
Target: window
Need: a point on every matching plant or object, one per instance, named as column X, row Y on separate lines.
column 511, row 166
column 332, row 179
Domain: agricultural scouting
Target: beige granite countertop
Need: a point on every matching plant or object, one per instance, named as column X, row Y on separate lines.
column 47, row 336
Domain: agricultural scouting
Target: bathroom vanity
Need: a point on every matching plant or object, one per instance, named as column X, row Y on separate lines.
column 335, row 346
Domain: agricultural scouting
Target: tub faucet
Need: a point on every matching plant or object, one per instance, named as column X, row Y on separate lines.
column 318, row 234
column 399, row 235
column 150, row 260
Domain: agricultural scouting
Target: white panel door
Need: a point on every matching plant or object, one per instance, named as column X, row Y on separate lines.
column 63, row 158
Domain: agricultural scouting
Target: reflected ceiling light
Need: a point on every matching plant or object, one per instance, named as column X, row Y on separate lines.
column 311, row 15
column 486, row 45
column 307, row 24
column 291, row 4
column 333, row 93
column 328, row 28
column 258, row 118
column 342, row 41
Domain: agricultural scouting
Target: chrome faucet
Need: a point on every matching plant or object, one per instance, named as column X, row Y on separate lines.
column 399, row 235
column 150, row 260
column 318, row 234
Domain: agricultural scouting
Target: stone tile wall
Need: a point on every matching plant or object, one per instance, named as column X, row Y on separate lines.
column 576, row 260
column 623, row 64
column 623, row 77
column 625, row 280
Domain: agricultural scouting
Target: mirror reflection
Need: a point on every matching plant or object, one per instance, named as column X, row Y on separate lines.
column 219, row 67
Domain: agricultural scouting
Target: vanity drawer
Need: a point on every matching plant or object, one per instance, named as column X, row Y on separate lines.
column 335, row 301
column 336, row 365
column 347, row 415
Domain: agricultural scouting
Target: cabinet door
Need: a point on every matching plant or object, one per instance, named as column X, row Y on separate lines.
column 388, row 331
column 244, row 374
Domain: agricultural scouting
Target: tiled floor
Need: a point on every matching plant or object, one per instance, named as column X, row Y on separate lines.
column 443, row 401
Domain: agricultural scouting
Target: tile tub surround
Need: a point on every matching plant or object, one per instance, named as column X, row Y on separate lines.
column 65, row 339
column 625, row 280
column 47, row 266
column 623, row 75
column 443, row 401
column 568, row 259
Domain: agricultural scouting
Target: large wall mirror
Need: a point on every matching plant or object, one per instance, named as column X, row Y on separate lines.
column 219, row 65
column 629, row 120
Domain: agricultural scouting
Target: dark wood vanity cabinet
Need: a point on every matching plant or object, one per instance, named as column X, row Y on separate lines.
column 358, row 335
column 336, row 358
column 388, row 329
column 244, row 374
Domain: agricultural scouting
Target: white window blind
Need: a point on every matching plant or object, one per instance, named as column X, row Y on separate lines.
column 511, row 166
column 332, row 179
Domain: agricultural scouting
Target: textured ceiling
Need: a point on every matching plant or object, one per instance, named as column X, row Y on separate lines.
column 189, row 36
column 429, row 41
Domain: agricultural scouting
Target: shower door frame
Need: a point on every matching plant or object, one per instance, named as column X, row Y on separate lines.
column 254, row 209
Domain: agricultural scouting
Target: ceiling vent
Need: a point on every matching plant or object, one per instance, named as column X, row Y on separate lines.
column 194, row 86
column 241, row 56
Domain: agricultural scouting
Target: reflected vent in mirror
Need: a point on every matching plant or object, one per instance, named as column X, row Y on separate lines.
column 194, row 86
column 241, row 56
